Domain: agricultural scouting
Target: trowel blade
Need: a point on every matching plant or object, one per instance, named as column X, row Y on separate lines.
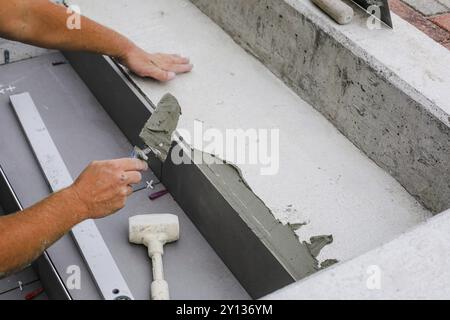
column 385, row 12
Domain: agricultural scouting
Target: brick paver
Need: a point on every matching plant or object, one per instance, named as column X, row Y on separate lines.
column 442, row 21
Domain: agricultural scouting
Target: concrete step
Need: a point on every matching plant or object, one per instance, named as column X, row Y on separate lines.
column 326, row 181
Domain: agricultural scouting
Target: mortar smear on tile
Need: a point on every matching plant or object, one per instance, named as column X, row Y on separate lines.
column 298, row 257
column 157, row 132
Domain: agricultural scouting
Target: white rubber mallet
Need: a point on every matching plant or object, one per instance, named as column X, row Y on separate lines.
column 154, row 231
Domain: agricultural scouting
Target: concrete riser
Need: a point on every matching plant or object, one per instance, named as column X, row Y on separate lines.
column 387, row 119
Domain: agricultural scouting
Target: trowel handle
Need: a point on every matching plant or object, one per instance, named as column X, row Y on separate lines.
column 341, row 12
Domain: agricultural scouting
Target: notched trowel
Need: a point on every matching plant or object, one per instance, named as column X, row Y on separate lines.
column 157, row 132
column 384, row 11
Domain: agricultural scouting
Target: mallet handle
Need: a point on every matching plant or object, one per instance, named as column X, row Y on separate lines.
column 159, row 287
column 158, row 269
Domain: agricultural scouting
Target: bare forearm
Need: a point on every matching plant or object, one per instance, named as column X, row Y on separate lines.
column 101, row 189
column 25, row 235
column 44, row 24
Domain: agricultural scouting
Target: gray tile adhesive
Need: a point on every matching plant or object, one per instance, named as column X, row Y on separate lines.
column 157, row 132
column 298, row 258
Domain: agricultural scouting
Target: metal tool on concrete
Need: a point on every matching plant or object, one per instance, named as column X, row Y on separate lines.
column 101, row 264
column 154, row 231
column 383, row 9
column 336, row 9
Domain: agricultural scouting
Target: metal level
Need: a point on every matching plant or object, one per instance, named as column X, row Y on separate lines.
column 96, row 254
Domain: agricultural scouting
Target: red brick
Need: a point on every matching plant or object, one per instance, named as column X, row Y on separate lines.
column 442, row 21
column 419, row 21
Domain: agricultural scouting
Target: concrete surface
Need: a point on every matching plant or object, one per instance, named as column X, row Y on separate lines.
column 324, row 180
column 386, row 90
column 414, row 266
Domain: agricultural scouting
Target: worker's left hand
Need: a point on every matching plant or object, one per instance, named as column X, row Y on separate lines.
column 159, row 66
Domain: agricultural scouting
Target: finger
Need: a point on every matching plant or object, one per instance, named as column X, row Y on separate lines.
column 159, row 74
column 133, row 177
column 128, row 164
column 129, row 190
column 177, row 59
column 180, row 68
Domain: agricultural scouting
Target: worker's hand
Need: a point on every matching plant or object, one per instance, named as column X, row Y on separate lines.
column 104, row 186
column 159, row 66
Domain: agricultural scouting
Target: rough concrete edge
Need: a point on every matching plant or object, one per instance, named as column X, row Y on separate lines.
column 420, row 179
column 379, row 67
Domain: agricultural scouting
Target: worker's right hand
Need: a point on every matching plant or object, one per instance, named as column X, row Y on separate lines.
column 104, row 186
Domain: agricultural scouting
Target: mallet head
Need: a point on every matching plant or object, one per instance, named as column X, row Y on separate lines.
column 154, row 231
column 162, row 228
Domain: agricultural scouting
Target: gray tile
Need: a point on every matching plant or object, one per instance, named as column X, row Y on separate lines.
column 17, row 294
column 25, row 276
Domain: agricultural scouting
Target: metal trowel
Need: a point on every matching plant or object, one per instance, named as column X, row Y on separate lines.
column 385, row 12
